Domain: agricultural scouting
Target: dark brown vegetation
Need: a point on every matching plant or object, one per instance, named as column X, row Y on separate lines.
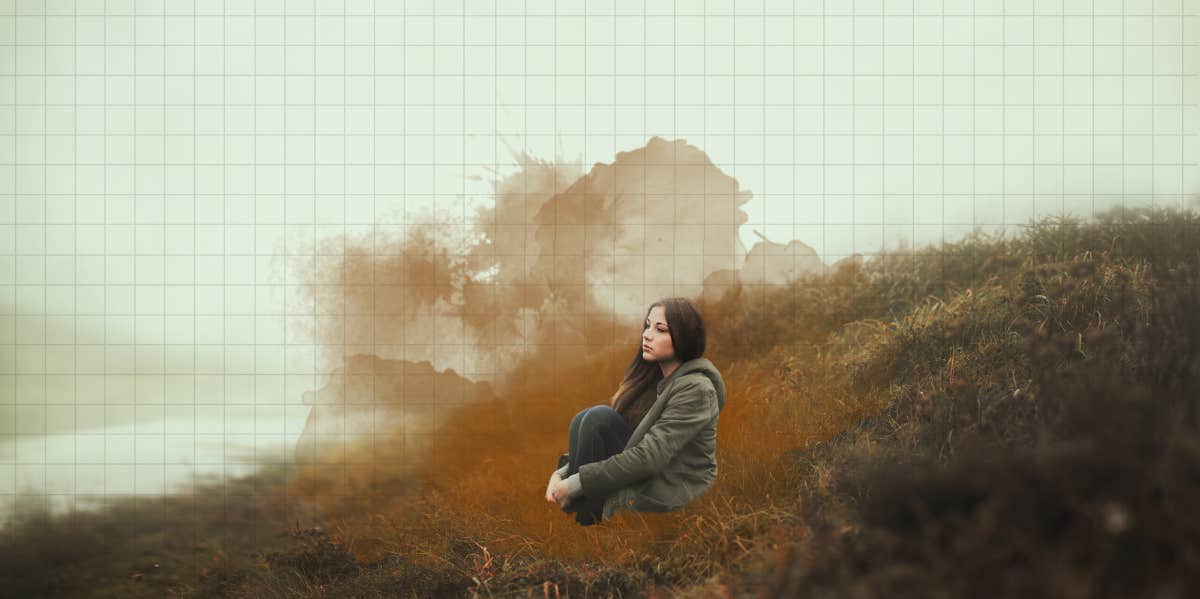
column 993, row 417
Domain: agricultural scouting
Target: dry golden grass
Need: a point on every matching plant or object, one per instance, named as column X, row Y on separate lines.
column 1032, row 400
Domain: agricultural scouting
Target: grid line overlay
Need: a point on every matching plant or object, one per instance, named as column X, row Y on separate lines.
column 159, row 161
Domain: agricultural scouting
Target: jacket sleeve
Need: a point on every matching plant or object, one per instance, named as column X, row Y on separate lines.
column 688, row 410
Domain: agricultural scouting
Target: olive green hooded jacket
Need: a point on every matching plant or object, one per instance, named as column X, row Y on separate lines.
column 671, row 457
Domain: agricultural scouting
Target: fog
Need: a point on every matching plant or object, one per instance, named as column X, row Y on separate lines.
column 183, row 182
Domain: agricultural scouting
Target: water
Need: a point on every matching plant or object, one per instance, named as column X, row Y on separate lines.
column 89, row 468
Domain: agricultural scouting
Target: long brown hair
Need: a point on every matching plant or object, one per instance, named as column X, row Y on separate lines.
column 638, row 390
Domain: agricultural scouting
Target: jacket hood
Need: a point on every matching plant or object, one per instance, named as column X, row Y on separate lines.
column 705, row 367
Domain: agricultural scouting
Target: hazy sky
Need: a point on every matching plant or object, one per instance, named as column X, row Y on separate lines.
column 165, row 164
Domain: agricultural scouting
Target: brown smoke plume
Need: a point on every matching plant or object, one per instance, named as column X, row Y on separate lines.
column 457, row 353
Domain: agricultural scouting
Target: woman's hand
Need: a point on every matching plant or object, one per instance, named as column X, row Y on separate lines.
column 559, row 493
column 554, row 479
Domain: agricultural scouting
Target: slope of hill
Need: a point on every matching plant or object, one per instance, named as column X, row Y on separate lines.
column 992, row 417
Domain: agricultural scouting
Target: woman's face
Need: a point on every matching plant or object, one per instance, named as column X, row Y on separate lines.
column 656, row 339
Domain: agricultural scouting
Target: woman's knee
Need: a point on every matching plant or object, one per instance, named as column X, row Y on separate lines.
column 602, row 411
column 578, row 417
column 586, row 415
column 600, row 416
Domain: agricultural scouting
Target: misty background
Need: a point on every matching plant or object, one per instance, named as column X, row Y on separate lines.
column 176, row 174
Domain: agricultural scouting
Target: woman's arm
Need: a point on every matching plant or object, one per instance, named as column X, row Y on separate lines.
column 690, row 408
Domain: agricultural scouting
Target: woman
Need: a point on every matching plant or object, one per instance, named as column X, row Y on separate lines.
column 654, row 447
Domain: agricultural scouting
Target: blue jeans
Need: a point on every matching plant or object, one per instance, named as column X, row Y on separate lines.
column 595, row 434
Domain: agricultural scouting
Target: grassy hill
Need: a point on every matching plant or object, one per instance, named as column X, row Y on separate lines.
column 991, row 417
